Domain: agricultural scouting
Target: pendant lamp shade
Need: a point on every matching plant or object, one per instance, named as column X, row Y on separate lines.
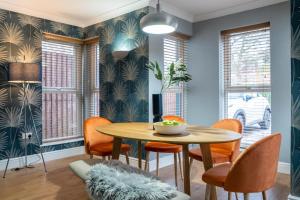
column 158, row 22
column 24, row 72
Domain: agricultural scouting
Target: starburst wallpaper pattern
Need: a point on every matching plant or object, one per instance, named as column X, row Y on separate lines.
column 124, row 82
column 20, row 41
column 295, row 137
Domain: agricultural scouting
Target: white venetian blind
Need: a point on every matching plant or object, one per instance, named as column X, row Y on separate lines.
column 62, row 90
column 246, row 67
column 92, row 81
column 174, row 98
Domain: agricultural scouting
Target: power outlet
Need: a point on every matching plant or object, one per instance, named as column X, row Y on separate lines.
column 26, row 135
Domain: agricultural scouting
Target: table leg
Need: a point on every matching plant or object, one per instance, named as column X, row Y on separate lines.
column 116, row 148
column 140, row 153
column 186, row 169
column 208, row 163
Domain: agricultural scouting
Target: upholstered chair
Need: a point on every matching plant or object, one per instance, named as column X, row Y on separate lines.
column 160, row 147
column 97, row 143
column 253, row 171
column 224, row 152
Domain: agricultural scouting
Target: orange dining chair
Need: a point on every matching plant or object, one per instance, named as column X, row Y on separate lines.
column 97, row 143
column 160, row 147
column 224, row 152
column 253, row 171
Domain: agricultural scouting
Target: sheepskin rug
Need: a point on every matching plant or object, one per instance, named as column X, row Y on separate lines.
column 117, row 182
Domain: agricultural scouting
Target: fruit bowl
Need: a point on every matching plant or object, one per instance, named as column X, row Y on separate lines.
column 170, row 127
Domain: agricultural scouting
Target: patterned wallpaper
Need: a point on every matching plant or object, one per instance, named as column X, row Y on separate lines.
column 123, row 82
column 20, row 37
column 295, row 138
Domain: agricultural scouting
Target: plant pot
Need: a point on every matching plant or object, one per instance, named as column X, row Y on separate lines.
column 157, row 107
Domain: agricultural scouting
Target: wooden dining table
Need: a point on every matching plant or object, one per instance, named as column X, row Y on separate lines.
column 203, row 136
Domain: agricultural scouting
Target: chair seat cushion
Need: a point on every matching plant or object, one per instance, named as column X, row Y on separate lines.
column 218, row 155
column 163, row 147
column 106, row 149
column 216, row 175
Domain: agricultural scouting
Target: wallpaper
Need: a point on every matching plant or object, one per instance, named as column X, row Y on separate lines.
column 123, row 81
column 20, row 41
column 295, row 137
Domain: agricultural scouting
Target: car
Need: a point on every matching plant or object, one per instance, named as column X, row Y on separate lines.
column 250, row 109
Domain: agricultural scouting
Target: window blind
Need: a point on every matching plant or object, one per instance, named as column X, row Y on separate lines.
column 92, row 90
column 174, row 98
column 62, row 90
column 246, row 82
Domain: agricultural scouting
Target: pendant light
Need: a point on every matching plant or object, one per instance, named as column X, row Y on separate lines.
column 158, row 22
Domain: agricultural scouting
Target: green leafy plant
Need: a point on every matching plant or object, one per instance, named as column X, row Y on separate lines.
column 175, row 74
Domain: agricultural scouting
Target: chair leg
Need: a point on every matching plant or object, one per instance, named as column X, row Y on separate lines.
column 191, row 162
column 236, row 196
column 264, row 194
column 157, row 163
column 91, row 156
column 127, row 158
column 180, row 165
column 229, row 195
column 175, row 169
column 246, row 196
column 147, row 161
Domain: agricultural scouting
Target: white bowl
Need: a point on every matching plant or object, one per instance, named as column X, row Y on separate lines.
column 169, row 130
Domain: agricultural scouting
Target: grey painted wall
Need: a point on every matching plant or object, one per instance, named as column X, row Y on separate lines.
column 203, row 94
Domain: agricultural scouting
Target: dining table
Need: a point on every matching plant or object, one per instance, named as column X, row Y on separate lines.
column 194, row 134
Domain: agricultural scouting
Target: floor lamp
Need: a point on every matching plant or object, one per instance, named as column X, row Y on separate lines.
column 25, row 73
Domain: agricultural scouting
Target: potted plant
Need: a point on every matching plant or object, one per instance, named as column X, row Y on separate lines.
column 175, row 74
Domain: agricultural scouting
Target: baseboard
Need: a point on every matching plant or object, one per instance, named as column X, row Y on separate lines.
column 284, row 168
column 52, row 155
column 133, row 161
column 163, row 162
column 291, row 197
column 55, row 155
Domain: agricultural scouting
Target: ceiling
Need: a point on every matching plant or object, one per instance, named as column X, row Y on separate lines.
column 83, row 13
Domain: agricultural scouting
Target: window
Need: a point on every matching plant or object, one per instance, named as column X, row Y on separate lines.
column 174, row 98
column 92, row 92
column 246, row 70
column 62, row 90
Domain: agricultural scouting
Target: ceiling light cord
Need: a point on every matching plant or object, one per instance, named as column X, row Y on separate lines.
column 158, row 6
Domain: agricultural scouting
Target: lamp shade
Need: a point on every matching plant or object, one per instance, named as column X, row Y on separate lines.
column 119, row 54
column 158, row 22
column 24, row 72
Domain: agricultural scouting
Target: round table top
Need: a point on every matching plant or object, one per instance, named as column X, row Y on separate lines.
column 145, row 132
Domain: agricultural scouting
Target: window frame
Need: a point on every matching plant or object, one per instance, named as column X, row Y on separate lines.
column 76, row 90
column 181, row 53
column 225, row 86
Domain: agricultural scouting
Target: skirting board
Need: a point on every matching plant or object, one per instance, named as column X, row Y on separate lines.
column 283, row 168
column 291, row 197
column 54, row 155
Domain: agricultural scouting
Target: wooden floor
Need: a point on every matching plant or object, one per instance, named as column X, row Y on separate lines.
column 61, row 183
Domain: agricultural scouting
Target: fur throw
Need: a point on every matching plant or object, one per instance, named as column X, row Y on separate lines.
column 117, row 182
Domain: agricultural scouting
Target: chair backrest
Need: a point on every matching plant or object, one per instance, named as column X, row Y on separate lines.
column 91, row 136
column 232, row 148
column 173, row 117
column 255, row 169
